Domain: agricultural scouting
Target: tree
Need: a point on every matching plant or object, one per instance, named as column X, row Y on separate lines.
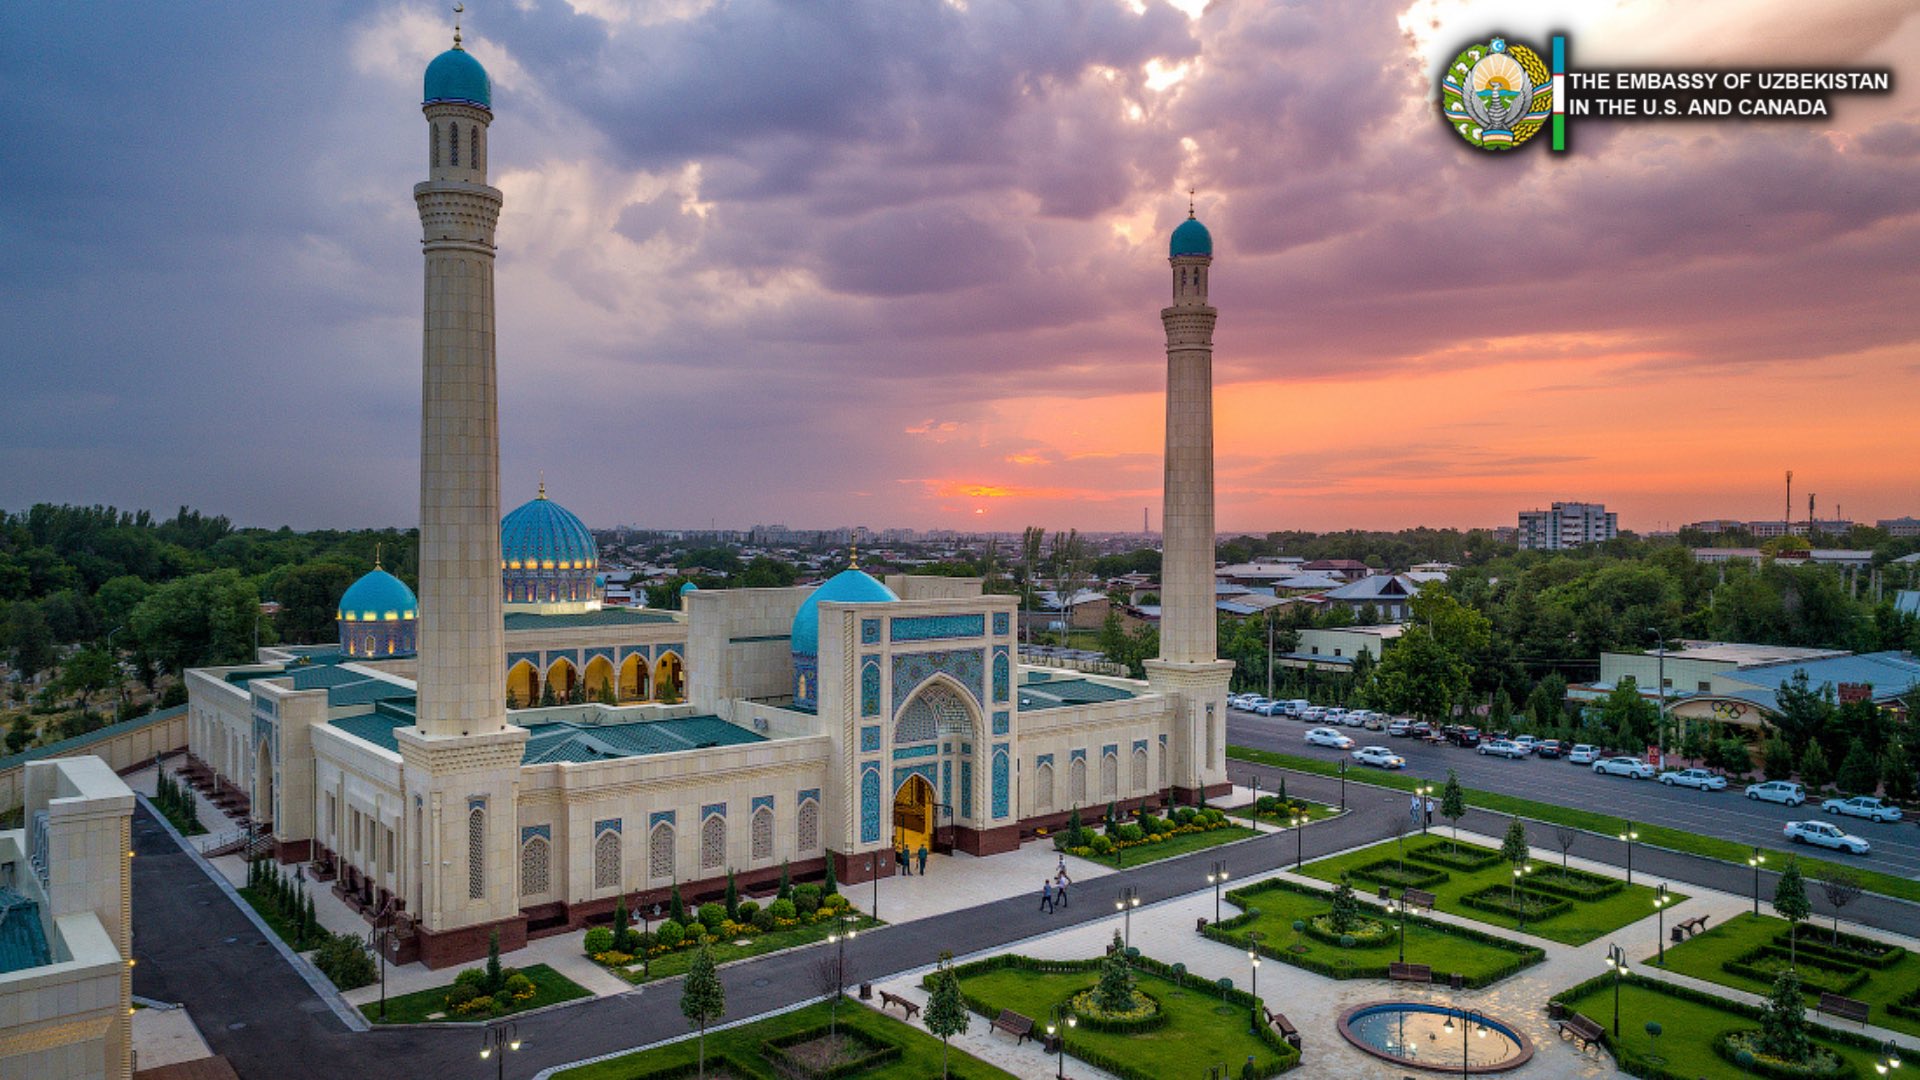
column 548, row 698
column 786, row 883
column 1842, row 887
column 30, row 641
column 1776, row 758
column 622, row 924
column 1790, row 903
column 828, row 885
column 496, row 977
column 1783, row 1027
column 88, row 672
column 1346, row 910
column 1114, row 994
column 1514, row 849
column 210, row 618
column 830, row 982
column 309, row 597
column 1859, row 772
column 1814, row 770
column 702, row 999
column 1500, row 713
column 1419, row 677
column 1896, row 772
column 733, row 897
column 19, row 734
column 677, row 908
column 1629, row 718
column 1453, row 805
column 1564, row 837
column 946, row 1009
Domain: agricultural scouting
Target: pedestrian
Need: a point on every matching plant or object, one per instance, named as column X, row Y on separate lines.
column 1062, row 867
column 923, row 858
column 1429, row 809
column 1413, row 809
column 1046, row 896
column 1060, row 889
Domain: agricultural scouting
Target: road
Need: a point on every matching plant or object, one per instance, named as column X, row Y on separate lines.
column 1724, row 814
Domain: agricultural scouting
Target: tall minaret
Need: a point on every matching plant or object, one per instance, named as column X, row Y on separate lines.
column 1189, row 670
column 462, row 759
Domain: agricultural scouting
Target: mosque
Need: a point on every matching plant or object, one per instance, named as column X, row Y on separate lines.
column 503, row 755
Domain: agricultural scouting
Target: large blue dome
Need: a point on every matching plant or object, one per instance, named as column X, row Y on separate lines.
column 377, row 597
column 849, row 586
column 1190, row 238
column 543, row 535
column 455, row 75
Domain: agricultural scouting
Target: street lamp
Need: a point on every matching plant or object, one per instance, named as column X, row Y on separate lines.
column 1401, row 907
column 1299, row 822
column 1889, row 1058
column 1616, row 963
column 1057, row 1031
column 1256, row 802
column 1754, row 861
column 1660, row 903
column 1661, row 732
column 840, row 939
column 873, row 872
column 376, row 942
column 1343, row 783
column 1519, row 875
column 1253, row 959
column 1129, row 899
column 1425, row 791
column 1216, row 878
column 1628, row 837
column 495, row 1042
column 1469, row 1021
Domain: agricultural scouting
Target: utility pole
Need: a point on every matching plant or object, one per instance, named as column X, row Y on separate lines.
column 1788, row 520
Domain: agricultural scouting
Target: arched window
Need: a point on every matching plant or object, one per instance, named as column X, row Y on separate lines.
column 1139, row 769
column 935, row 711
column 477, row 853
column 763, row 833
column 606, row 860
column 453, row 148
column 1077, row 781
column 1110, row 775
column 713, row 842
column 473, row 146
column 660, row 852
column 1043, row 787
column 809, row 837
column 534, row 858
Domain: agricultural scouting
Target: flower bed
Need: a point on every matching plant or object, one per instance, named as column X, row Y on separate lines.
column 1523, row 904
column 1455, row 856
column 1145, row 1016
column 784, row 1052
column 1147, row 832
column 1365, row 932
column 1817, row 974
column 1574, row 884
column 1400, row 875
column 1742, row 1050
column 1850, row 948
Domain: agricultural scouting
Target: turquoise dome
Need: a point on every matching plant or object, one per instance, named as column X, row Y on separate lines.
column 455, row 75
column 543, row 535
column 377, row 597
column 850, row 586
column 689, row 587
column 1190, row 238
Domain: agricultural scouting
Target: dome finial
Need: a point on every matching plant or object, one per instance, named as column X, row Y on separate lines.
column 376, row 556
column 543, row 485
column 853, row 560
column 1190, row 194
column 458, row 10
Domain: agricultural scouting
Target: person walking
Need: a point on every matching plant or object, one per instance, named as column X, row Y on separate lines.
column 923, row 858
column 1046, row 895
column 1060, row 884
column 1429, row 810
column 1413, row 809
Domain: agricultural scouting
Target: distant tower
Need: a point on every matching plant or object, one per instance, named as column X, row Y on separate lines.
column 1189, row 669
column 462, row 759
column 1787, row 521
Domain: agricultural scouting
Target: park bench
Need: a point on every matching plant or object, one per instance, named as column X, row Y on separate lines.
column 907, row 1008
column 1845, row 1007
column 1577, row 1028
column 1419, row 898
column 1689, row 927
column 1014, row 1024
column 1283, row 1028
column 1420, row 973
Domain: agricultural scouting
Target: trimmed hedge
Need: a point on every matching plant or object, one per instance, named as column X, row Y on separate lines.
column 1817, row 974
column 1400, row 875
column 1777, row 1070
column 715, row 1063
column 1499, row 899
column 1463, row 857
column 1119, row 1027
column 1247, row 898
column 1382, row 931
column 1852, row 949
column 878, row 1053
column 1574, row 884
column 1908, row 1007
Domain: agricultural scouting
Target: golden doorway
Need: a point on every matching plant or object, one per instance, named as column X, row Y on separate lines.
column 913, row 815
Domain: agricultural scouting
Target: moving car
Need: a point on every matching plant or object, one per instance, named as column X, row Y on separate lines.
column 1379, row 756
column 1865, row 806
column 1780, row 791
column 1694, row 778
column 1583, row 754
column 1400, row 728
column 1326, row 736
column 1821, row 834
column 1549, row 748
column 1504, row 748
column 1624, row 766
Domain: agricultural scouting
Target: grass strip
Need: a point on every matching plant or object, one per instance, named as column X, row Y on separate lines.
column 667, row 965
column 1172, row 846
column 1727, row 851
column 550, row 988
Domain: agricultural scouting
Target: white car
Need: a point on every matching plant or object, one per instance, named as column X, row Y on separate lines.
column 1525, row 742
column 1583, row 754
column 1821, row 834
column 1865, row 806
column 1780, row 791
column 1398, row 728
column 1326, row 736
column 1694, row 778
column 1503, row 747
column 1243, row 702
column 1624, row 766
column 1310, row 714
column 1380, row 756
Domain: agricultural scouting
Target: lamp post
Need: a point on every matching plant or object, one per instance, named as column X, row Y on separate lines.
column 839, row 940
column 1400, row 906
column 1216, row 878
column 1299, row 822
column 873, row 871
column 495, row 1042
column 1519, row 874
column 1469, row 1021
column 1660, row 903
column 1057, row 1031
column 1628, row 837
column 1343, row 783
column 1660, row 734
column 1129, row 899
column 1888, row 1059
column 1253, row 960
column 1616, row 963
column 1256, row 802
column 1754, row 861
column 376, row 940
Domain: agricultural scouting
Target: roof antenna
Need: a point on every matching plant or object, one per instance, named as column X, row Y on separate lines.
column 458, row 9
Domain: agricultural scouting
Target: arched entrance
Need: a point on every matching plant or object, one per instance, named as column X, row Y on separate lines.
column 599, row 679
column 560, row 678
column 670, row 677
column 633, row 678
column 523, row 686
column 262, row 808
column 913, row 814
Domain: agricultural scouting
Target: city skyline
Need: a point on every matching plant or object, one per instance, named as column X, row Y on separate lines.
column 890, row 267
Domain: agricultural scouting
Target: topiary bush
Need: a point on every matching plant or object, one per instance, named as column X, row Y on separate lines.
column 712, row 915
column 784, row 909
column 599, row 939
column 671, row 934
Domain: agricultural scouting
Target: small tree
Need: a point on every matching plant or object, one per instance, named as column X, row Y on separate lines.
column 547, row 697
column 1401, row 824
column 621, row 924
column 1346, row 910
column 496, row 978
column 829, row 885
column 786, row 883
column 702, row 999
column 1783, row 1028
column 1453, row 805
column 676, row 907
column 1563, row 838
column 733, row 898
column 1790, row 902
column 830, row 982
column 1842, row 887
column 1114, row 994
column 946, row 1009
column 1776, row 759
column 1859, row 771
column 1896, row 772
column 1514, row 849
column 1815, row 772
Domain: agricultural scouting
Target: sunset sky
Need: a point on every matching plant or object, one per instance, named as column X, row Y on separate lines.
column 900, row 263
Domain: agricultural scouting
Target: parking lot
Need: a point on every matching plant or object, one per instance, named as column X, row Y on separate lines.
column 1725, row 814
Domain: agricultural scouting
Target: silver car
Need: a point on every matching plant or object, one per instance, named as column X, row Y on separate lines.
column 1693, row 778
column 1865, row 806
column 1624, row 766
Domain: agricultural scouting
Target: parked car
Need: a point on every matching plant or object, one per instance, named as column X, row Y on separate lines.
column 1272, row 708
column 1865, row 806
column 1333, row 715
column 1374, row 722
column 1821, row 834
column 1694, row 778
column 1326, row 736
column 1549, row 748
column 1505, row 748
column 1420, row 729
column 1526, row 742
column 1379, row 756
column 1400, row 728
column 1312, row 714
column 1624, row 766
column 1297, row 706
column 1583, row 754
column 1780, row 791
column 1461, row 734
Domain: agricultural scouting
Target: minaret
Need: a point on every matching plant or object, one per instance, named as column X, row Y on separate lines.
column 1189, row 670
column 462, row 759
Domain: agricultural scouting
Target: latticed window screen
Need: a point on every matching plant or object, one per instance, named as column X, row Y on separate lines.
column 809, row 825
column 1043, row 787
column 1109, row 775
column 1077, row 781
column 534, row 858
column 763, row 833
column 713, row 842
column 476, row 853
column 938, row 710
column 606, row 860
column 660, row 851
column 1139, row 768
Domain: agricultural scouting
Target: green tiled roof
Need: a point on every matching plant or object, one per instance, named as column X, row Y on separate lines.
column 314, row 678
column 529, row 620
column 565, row 741
column 367, row 691
column 23, row 944
column 68, row 746
column 1057, row 692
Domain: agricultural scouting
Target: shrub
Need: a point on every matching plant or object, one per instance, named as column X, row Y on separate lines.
column 712, row 915
column 1400, row 875
column 671, row 934
column 473, row 977
column 1463, row 857
column 748, row 909
column 1529, row 905
column 763, row 919
column 1185, row 815
column 343, row 959
column 783, row 909
column 1101, row 846
column 461, row 993
column 806, row 900
column 599, row 940
column 520, row 988
column 1129, row 833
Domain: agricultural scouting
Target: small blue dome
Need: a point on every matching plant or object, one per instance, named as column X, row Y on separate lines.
column 689, row 587
column 1190, row 238
column 455, row 75
column 543, row 535
column 849, row 586
column 377, row 597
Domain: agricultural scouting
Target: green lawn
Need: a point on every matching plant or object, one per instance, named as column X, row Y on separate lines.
column 1702, row 956
column 1443, row 948
column 1604, row 824
column 676, row 963
column 1689, row 1025
column 1201, row 1027
column 281, row 928
column 1315, row 811
column 919, row 1058
column 421, row 1004
column 1582, row 922
column 1177, row 844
